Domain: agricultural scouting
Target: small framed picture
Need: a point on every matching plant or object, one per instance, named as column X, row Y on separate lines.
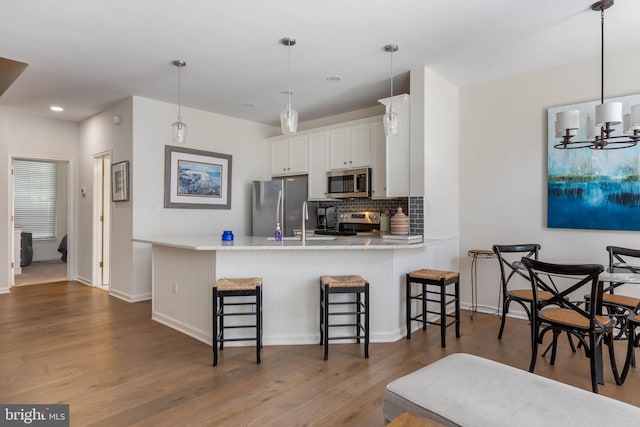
column 120, row 181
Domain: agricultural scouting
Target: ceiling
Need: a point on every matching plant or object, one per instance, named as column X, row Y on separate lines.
column 85, row 55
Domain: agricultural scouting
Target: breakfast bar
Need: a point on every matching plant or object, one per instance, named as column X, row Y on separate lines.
column 184, row 269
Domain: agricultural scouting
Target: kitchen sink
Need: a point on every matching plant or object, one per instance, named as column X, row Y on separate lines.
column 308, row 238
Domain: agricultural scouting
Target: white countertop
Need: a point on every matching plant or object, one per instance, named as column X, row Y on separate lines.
column 208, row 242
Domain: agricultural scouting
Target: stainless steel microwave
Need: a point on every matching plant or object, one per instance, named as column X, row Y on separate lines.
column 349, row 183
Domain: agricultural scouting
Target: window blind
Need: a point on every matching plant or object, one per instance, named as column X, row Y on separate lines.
column 34, row 198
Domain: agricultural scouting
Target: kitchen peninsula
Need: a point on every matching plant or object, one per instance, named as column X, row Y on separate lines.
column 185, row 268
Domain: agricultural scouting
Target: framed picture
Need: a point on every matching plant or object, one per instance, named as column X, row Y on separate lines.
column 196, row 179
column 592, row 189
column 120, row 181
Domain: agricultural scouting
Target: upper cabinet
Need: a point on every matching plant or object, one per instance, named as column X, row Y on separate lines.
column 288, row 155
column 357, row 144
column 390, row 154
column 350, row 147
column 318, row 150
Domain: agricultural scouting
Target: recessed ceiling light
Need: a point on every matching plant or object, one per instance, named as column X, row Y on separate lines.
column 56, row 108
column 333, row 79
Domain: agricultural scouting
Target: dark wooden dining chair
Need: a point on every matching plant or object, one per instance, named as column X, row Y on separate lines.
column 509, row 258
column 619, row 305
column 560, row 313
column 633, row 340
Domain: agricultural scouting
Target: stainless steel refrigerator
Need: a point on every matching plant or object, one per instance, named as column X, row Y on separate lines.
column 279, row 201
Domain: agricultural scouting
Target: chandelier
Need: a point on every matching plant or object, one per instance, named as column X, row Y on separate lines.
column 600, row 134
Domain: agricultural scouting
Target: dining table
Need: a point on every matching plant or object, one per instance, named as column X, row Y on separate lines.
column 615, row 278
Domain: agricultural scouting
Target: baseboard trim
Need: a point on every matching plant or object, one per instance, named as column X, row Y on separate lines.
column 129, row 298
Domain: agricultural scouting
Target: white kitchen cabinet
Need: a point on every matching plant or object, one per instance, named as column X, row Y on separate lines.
column 350, row 147
column 288, row 156
column 318, row 152
column 390, row 155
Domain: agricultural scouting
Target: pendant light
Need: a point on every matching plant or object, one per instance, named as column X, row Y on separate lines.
column 607, row 114
column 289, row 116
column 179, row 128
column 391, row 118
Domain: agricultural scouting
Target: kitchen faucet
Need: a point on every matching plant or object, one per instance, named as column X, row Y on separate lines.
column 305, row 217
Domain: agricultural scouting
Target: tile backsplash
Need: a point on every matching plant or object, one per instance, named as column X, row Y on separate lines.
column 412, row 206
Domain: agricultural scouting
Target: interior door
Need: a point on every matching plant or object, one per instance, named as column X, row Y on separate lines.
column 102, row 221
column 106, row 222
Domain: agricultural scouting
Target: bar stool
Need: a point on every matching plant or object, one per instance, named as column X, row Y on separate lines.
column 439, row 281
column 344, row 285
column 232, row 288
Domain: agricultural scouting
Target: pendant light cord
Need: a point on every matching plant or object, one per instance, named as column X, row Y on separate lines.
column 289, row 72
column 179, row 93
column 602, row 56
column 391, row 72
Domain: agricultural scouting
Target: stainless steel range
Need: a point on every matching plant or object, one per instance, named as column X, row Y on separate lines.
column 352, row 223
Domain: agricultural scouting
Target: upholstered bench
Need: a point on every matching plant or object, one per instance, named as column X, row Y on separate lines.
column 466, row 390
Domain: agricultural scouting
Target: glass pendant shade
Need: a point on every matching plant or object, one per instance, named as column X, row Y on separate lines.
column 390, row 123
column 391, row 118
column 289, row 120
column 288, row 116
column 179, row 130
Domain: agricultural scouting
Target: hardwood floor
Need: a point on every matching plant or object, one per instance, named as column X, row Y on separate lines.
column 68, row 343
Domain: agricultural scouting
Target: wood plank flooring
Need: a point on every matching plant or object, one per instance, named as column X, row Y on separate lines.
column 68, row 343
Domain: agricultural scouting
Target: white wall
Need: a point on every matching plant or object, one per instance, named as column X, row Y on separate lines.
column 242, row 139
column 441, row 124
column 27, row 136
column 434, row 161
column 6, row 274
column 503, row 159
column 101, row 136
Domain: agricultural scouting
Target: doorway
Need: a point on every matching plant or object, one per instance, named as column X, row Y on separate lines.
column 40, row 204
column 102, row 221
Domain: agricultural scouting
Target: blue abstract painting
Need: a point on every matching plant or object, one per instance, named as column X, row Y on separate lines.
column 199, row 179
column 592, row 189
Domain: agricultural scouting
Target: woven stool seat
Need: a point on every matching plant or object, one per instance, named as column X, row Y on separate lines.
column 433, row 289
column 342, row 281
column 238, row 284
column 428, row 274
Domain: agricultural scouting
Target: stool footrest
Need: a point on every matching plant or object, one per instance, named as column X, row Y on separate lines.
column 221, row 313
column 334, row 325
column 236, row 339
